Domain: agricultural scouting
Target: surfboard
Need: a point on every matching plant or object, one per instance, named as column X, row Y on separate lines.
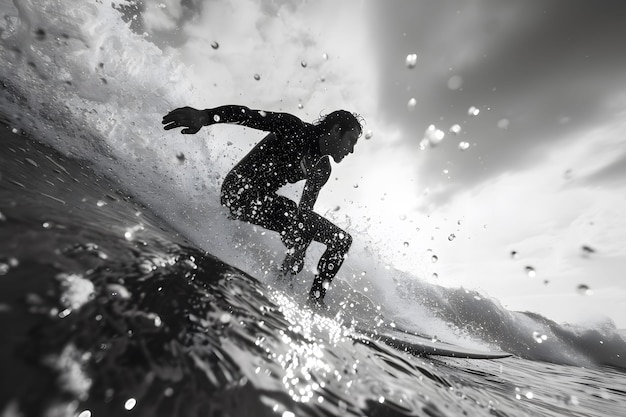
column 420, row 345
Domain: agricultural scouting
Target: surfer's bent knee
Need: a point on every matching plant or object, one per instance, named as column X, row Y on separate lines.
column 342, row 242
column 233, row 193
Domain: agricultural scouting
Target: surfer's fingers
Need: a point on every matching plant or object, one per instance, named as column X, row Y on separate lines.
column 171, row 125
column 179, row 113
column 190, row 130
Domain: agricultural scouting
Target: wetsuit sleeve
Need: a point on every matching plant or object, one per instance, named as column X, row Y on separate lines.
column 314, row 184
column 267, row 121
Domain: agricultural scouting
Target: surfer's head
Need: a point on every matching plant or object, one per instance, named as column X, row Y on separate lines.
column 341, row 130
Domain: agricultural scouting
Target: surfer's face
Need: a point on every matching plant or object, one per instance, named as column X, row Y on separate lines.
column 343, row 144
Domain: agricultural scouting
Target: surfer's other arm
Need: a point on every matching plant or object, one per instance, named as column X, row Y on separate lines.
column 192, row 120
column 313, row 185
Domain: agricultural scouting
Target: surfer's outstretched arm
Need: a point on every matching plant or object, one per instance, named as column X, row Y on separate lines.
column 192, row 120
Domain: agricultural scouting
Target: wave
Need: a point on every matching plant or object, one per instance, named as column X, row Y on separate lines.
column 77, row 77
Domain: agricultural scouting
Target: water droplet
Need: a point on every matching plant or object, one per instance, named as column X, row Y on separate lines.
column 215, row 45
column 356, row 185
column 181, row 157
column 451, row 237
column 411, row 60
column 257, row 77
column 530, row 271
column 130, row 403
column 584, row 289
column 539, row 337
column 325, row 56
column 303, row 64
column 225, row 318
column 473, row 111
column 432, row 136
column 463, row 146
column 300, row 106
column 513, row 254
column 434, row 258
column 406, row 244
column 85, row 413
column 503, row 123
column 412, row 103
column 455, row 82
column 216, row 118
column 435, row 275
column 101, row 203
column 47, row 225
column 455, row 129
column 369, row 134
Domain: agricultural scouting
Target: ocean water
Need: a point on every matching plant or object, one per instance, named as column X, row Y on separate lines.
column 125, row 289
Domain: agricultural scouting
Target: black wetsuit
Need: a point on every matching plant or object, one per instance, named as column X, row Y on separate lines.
column 288, row 154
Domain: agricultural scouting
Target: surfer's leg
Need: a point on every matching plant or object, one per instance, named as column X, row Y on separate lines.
column 337, row 243
column 273, row 212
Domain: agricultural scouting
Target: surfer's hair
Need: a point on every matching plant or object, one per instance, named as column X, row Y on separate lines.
column 343, row 118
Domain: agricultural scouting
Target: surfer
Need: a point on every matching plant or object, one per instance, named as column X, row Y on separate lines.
column 292, row 151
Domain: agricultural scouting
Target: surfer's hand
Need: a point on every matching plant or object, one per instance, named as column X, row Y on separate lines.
column 189, row 118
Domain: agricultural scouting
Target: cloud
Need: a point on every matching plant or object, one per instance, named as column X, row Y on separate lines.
column 548, row 70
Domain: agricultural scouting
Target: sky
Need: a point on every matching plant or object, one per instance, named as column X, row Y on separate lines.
column 500, row 148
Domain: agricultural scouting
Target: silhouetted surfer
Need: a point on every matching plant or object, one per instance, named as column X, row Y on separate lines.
column 292, row 151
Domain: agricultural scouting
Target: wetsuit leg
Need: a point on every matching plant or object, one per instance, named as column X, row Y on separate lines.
column 278, row 213
column 337, row 243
